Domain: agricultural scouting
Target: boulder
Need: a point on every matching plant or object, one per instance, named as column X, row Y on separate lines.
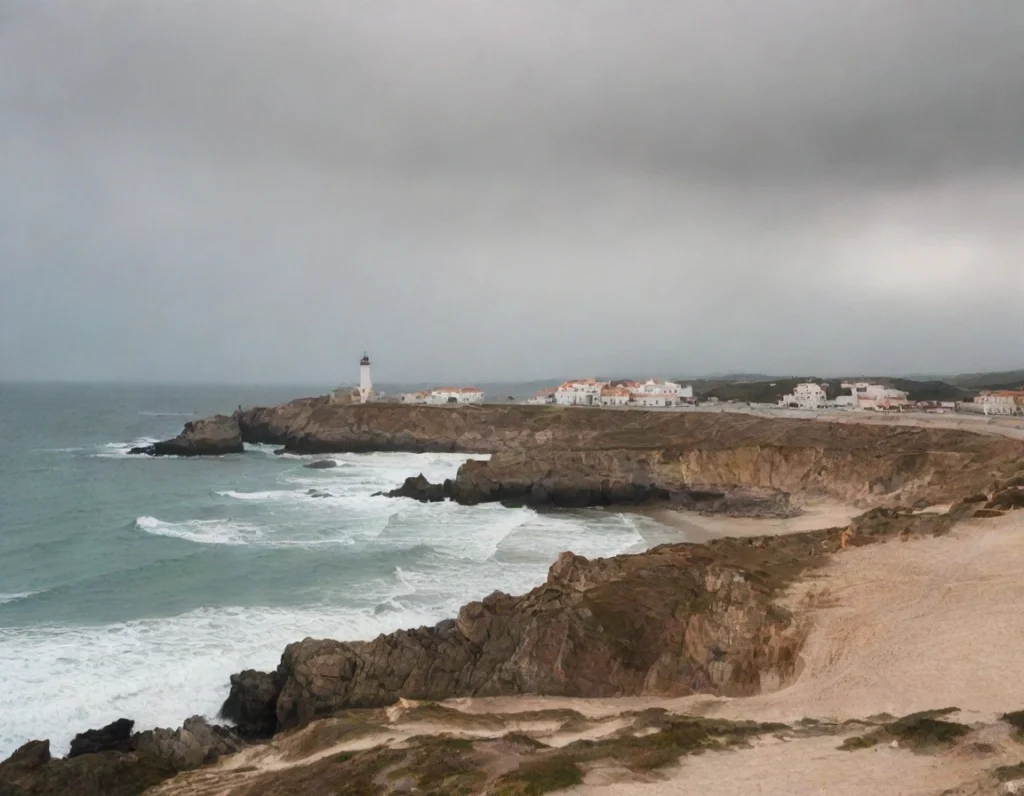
column 195, row 743
column 115, row 737
column 155, row 755
column 252, row 703
column 419, row 488
column 321, row 464
column 214, row 436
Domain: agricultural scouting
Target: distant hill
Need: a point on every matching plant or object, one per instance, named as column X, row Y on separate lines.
column 1000, row 380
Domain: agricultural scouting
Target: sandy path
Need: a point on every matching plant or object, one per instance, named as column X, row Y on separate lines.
column 908, row 626
column 994, row 425
column 699, row 527
column 897, row 628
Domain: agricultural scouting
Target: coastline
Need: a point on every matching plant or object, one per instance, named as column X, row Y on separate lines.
column 707, row 641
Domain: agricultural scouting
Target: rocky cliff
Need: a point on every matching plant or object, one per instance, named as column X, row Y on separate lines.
column 752, row 474
column 214, row 436
column 113, row 761
column 566, row 456
column 678, row 619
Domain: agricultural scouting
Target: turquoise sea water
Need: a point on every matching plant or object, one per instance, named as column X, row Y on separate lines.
column 132, row 586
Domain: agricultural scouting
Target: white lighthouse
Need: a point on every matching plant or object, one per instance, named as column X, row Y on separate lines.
column 365, row 383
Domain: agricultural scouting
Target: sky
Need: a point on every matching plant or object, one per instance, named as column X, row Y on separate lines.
column 257, row 191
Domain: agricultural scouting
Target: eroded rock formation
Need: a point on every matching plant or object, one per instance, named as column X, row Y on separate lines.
column 572, row 457
column 108, row 762
column 214, row 436
column 675, row 620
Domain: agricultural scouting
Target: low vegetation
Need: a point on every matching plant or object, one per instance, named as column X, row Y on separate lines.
column 921, row 732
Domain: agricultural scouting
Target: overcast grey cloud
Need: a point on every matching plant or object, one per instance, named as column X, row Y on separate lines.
column 248, row 190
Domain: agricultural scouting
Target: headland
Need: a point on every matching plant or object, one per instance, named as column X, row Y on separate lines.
column 801, row 650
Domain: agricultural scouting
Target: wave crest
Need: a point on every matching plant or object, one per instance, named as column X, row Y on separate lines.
column 201, row 531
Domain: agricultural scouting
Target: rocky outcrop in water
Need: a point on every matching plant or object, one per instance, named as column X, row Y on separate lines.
column 115, row 765
column 115, row 737
column 419, row 488
column 321, row 464
column 252, row 703
column 214, row 436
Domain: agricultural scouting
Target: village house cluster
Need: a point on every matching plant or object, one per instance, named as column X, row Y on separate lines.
column 861, row 395
column 1000, row 402
column 653, row 393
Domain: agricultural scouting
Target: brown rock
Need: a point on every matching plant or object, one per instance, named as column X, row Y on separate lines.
column 213, row 436
column 1007, row 499
column 157, row 755
column 115, row 737
column 252, row 703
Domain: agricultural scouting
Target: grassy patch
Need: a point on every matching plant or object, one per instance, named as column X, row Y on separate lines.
column 920, row 732
column 443, row 766
column 1015, row 719
column 1008, row 773
column 537, row 777
column 522, row 739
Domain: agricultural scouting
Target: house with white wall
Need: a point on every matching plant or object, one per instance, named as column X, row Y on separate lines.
column 543, row 397
column 805, row 396
column 456, row 395
column 872, row 396
column 444, row 395
column 580, row 392
column 1001, row 402
column 615, row 396
column 662, row 389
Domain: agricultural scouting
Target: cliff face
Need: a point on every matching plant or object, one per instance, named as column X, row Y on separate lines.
column 558, row 455
column 214, row 436
column 864, row 475
column 580, row 457
column 676, row 620
column 316, row 426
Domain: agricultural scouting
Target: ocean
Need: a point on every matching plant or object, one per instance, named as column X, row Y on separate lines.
column 133, row 586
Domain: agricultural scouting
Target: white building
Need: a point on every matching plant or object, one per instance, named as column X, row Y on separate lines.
column 615, row 396
column 653, row 400
column 805, row 396
column 365, row 382
column 545, row 396
column 456, row 395
column 662, row 389
column 580, row 392
column 1001, row 402
column 872, row 396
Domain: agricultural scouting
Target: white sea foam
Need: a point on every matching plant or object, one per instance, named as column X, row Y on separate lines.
column 61, row 680
column 202, row 531
column 115, row 450
column 10, row 598
column 270, row 494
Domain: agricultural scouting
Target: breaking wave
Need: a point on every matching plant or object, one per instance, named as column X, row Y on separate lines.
column 201, row 531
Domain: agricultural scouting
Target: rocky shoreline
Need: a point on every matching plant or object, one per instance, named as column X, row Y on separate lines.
column 676, row 620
